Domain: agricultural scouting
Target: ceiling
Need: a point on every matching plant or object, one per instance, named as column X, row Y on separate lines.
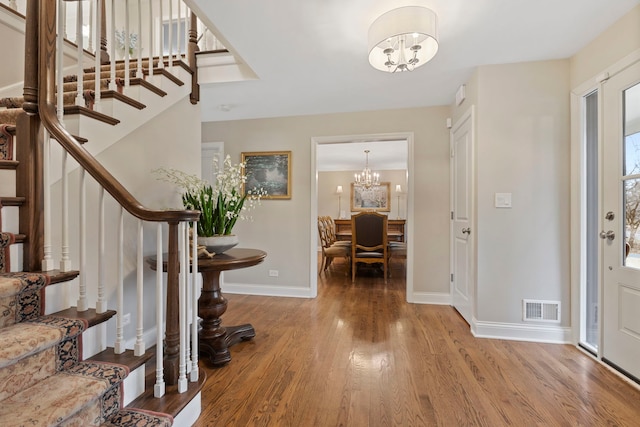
column 310, row 56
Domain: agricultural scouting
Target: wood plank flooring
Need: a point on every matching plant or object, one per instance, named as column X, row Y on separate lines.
column 359, row 355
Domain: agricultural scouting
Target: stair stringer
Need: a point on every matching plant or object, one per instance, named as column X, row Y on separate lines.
column 102, row 135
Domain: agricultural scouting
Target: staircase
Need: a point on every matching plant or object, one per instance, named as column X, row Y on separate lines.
column 68, row 364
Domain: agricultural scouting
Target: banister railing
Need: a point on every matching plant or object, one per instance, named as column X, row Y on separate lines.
column 42, row 32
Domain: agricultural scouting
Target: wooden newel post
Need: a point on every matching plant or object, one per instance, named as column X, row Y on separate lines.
column 104, row 55
column 29, row 180
column 172, row 334
column 193, row 48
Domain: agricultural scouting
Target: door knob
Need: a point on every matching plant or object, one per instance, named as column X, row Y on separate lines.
column 609, row 235
column 466, row 230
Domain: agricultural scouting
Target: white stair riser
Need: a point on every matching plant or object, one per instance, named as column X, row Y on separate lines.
column 15, row 252
column 8, row 183
column 134, row 384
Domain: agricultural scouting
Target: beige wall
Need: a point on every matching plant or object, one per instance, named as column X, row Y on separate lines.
column 328, row 202
column 522, row 147
column 283, row 227
column 607, row 48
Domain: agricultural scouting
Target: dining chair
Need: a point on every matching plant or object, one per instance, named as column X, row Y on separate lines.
column 331, row 233
column 330, row 251
column 369, row 241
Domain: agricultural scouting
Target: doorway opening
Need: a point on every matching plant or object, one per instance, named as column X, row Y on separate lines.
column 335, row 161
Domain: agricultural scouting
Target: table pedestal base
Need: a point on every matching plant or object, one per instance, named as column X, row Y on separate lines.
column 216, row 349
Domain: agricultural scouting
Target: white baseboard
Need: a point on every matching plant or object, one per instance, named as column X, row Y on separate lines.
column 265, row 290
column 521, row 332
column 437, row 298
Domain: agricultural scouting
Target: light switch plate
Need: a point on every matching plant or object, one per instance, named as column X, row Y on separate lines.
column 503, row 200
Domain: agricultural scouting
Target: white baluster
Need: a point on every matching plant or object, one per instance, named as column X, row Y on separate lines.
column 182, row 293
column 65, row 261
column 194, row 304
column 79, row 42
column 178, row 38
column 60, row 67
column 139, row 345
column 119, row 344
column 47, row 260
column 101, row 304
column 171, row 35
column 139, row 45
column 127, row 42
column 63, row 11
column 150, row 65
column 90, row 40
column 97, row 63
column 161, row 38
column 13, row 5
column 83, row 305
column 112, row 48
column 159, row 386
column 187, row 24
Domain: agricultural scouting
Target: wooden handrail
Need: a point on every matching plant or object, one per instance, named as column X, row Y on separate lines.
column 47, row 110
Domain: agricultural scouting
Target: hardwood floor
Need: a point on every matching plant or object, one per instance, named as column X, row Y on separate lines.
column 359, row 355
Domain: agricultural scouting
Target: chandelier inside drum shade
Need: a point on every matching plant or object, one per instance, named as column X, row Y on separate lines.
column 403, row 39
column 367, row 179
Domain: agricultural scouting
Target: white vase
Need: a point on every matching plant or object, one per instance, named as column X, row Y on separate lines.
column 219, row 243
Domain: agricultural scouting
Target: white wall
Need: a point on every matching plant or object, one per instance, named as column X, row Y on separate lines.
column 282, row 227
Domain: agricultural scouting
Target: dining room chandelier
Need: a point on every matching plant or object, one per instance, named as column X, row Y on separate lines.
column 366, row 178
column 403, row 39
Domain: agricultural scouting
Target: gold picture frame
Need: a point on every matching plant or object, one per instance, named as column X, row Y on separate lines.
column 376, row 198
column 269, row 170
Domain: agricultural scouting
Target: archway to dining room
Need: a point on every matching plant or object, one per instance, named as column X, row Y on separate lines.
column 334, row 162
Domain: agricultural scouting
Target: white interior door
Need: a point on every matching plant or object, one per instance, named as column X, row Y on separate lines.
column 462, row 279
column 621, row 220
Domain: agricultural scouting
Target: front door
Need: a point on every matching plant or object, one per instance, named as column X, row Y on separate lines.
column 462, row 283
column 620, row 221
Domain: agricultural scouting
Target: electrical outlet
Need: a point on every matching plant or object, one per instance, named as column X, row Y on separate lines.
column 273, row 273
column 126, row 319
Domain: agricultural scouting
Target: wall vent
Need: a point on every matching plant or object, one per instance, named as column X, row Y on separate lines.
column 541, row 311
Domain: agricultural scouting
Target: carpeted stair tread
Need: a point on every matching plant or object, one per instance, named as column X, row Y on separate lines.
column 86, row 84
column 19, row 293
column 68, row 98
column 120, row 65
column 17, row 282
column 85, row 394
column 103, row 75
column 132, row 417
column 24, row 339
column 7, row 132
column 6, row 240
column 10, row 115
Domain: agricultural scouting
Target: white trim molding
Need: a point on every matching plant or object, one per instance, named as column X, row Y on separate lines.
column 267, row 291
column 435, row 298
column 521, row 332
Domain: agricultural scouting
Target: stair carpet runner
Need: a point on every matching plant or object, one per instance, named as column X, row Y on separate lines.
column 43, row 381
column 11, row 107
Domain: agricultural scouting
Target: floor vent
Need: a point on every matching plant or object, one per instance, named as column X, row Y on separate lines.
column 541, row 311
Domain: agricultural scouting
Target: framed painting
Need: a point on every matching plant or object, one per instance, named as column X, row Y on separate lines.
column 376, row 198
column 269, row 170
